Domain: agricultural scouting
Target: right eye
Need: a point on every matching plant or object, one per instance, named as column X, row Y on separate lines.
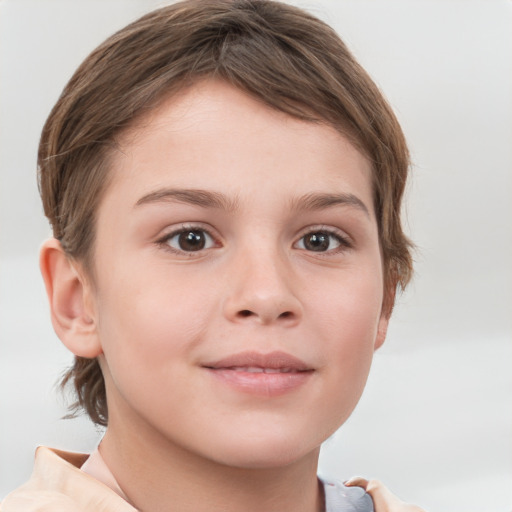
column 189, row 240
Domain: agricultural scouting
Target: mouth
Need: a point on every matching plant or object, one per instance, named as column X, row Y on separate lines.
column 265, row 375
column 258, row 369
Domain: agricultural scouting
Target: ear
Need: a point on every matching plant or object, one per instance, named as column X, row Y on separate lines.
column 382, row 330
column 385, row 314
column 71, row 301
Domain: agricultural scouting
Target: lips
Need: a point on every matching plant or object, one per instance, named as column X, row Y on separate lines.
column 258, row 369
column 266, row 375
column 273, row 361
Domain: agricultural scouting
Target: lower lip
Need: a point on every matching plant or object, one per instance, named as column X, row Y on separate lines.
column 262, row 384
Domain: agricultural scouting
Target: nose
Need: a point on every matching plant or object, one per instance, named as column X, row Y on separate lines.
column 262, row 290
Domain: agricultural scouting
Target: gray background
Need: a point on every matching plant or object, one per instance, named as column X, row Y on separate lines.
column 435, row 422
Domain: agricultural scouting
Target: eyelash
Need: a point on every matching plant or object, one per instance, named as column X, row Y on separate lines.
column 343, row 241
column 164, row 241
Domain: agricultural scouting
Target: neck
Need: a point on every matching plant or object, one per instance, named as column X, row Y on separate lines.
column 159, row 476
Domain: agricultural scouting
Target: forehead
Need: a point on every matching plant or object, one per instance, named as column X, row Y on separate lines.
column 213, row 135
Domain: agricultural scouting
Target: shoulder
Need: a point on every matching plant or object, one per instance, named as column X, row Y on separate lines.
column 340, row 498
column 42, row 491
column 58, row 485
column 26, row 499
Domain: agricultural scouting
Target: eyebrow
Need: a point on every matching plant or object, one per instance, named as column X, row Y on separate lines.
column 198, row 197
column 321, row 201
column 217, row 200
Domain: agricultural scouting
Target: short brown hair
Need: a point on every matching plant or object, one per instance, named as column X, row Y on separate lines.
column 279, row 54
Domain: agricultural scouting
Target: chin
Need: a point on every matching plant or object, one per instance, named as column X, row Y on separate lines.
column 264, row 453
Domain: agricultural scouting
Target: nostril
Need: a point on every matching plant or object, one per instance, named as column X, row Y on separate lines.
column 247, row 313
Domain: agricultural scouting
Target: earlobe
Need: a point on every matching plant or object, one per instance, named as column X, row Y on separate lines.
column 69, row 295
column 387, row 308
column 382, row 330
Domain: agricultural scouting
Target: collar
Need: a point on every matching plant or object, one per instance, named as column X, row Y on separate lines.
column 58, row 479
column 97, row 468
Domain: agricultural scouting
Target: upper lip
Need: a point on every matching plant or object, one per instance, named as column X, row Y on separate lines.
column 273, row 360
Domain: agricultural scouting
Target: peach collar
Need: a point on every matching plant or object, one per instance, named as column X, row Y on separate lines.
column 96, row 467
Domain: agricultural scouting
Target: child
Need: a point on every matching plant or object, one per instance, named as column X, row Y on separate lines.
column 224, row 183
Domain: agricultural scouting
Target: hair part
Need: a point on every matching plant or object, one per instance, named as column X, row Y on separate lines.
column 277, row 53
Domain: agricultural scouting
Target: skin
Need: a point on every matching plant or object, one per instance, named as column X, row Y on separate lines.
column 157, row 314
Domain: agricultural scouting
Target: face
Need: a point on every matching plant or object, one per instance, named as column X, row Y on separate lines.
column 238, row 279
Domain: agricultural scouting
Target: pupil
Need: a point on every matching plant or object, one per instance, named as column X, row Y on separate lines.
column 192, row 240
column 317, row 242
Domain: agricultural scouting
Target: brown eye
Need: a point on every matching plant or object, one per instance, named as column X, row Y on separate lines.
column 190, row 240
column 319, row 241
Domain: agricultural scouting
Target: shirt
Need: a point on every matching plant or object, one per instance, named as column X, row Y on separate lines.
column 65, row 482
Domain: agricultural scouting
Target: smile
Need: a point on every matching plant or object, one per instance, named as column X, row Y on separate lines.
column 257, row 369
column 266, row 375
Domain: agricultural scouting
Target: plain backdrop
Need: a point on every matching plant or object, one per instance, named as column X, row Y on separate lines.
column 435, row 422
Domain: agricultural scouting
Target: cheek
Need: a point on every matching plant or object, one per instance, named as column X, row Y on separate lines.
column 351, row 346
column 149, row 308
column 148, row 331
column 349, row 306
column 350, row 357
column 348, row 316
column 147, row 340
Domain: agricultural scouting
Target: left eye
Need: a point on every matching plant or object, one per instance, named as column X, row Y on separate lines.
column 190, row 240
column 320, row 241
